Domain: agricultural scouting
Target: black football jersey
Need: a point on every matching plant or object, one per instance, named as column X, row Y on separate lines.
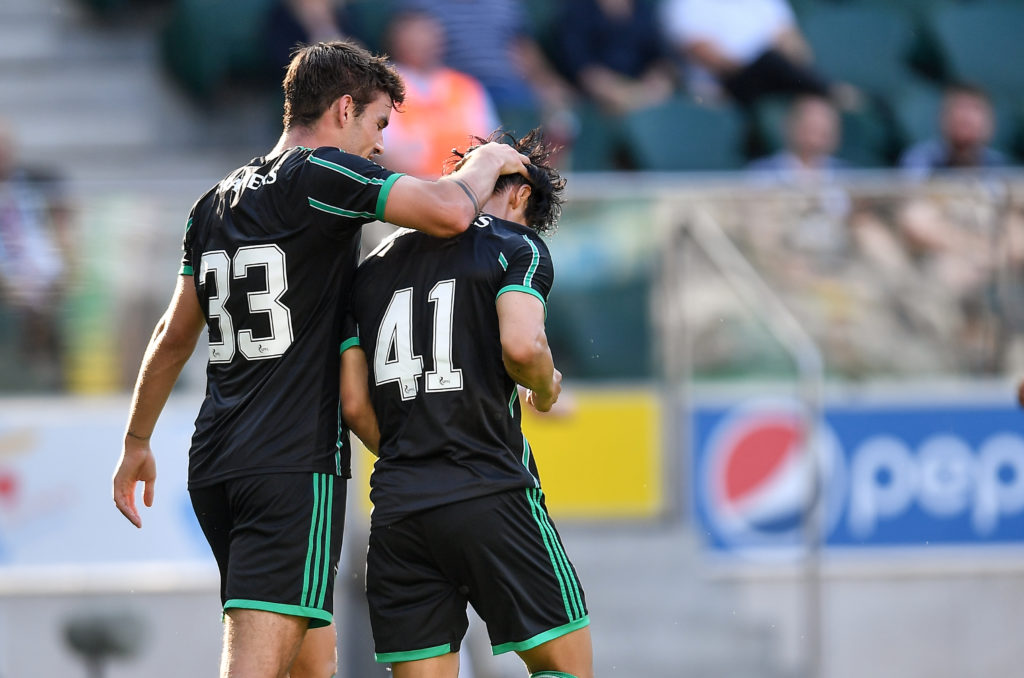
column 449, row 414
column 273, row 250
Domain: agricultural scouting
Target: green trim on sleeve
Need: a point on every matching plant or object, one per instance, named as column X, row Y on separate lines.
column 341, row 169
column 348, row 343
column 412, row 655
column 186, row 270
column 525, row 290
column 317, row 618
column 542, row 638
column 331, row 209
column 385, row 191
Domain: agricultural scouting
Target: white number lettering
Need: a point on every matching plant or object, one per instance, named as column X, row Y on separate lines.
column 394, row 359
column 218, row 263
column 443, row 377
column 272, row 259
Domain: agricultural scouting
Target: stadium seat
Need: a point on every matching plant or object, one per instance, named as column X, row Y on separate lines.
column 370, row 19
column 207, row 42
column 598, row 138
column 981, row 43
column 864, row 45
column 603, row 331
column 682, row 135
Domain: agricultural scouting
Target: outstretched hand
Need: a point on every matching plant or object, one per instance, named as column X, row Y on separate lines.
column 137, row 464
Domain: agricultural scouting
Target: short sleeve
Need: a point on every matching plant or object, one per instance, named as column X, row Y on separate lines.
column 349, row 333
column 527, row 268
column 349, row 189
column 186, row 248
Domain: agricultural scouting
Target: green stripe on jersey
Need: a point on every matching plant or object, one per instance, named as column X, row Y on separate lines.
column 528, row 278
column 382, row 196
column 341, row 169
column 503, row 261
column 512, row 402
column 331, row 209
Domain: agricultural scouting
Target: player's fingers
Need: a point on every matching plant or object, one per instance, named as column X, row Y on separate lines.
column 147, row 492
column 126, row 505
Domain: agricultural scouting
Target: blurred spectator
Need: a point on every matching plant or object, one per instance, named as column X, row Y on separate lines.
column 812, row 136
column 295, row 22
column 442, row 108
column 33, row 232
column 812, row 133
column 966, row 124
column 613, row 52
column 489, row 40
column 749, row 48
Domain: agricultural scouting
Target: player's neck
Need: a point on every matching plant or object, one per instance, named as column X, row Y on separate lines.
column 298, row 136
column 498, row 206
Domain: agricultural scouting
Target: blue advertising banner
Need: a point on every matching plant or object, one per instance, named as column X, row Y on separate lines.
column 887, row 475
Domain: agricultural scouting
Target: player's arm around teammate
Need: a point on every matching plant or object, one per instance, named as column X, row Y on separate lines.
column 356, row 408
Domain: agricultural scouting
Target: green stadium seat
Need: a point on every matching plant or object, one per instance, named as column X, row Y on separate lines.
column 370, row 19
column 982, row 44
column 205, row 43
column 519, row 121
column 682, row 135
column 864, row 45
column 603, row 331
column 598, row 139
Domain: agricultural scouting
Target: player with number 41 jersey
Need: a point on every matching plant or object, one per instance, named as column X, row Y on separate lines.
column 463, row 439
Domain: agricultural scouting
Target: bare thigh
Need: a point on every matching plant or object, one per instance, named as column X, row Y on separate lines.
column 571, row 653
column 445, row 666
column 260, row 644
column 318, row 656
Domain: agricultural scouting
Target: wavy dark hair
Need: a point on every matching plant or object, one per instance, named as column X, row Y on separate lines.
column 321, row 73
column 544, row 206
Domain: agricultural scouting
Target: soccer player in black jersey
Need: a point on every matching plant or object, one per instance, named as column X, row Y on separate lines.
column 269, row 256
column 443, row 332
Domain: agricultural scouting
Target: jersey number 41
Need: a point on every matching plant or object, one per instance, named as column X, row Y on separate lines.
column 394, row 360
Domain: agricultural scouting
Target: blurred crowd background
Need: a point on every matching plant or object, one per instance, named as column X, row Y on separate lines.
column 791, row 100
column 861, row 157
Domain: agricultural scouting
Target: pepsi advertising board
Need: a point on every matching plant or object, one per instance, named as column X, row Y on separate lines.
column 887, row 476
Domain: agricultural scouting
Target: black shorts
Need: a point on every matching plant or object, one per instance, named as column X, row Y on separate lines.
column 277, row 541
column 500, row 553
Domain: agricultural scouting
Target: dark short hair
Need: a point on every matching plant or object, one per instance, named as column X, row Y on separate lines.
column 321, row 73
column 544, row 206
column 961, row 88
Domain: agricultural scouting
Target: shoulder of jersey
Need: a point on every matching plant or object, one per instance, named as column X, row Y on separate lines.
column 388, row 243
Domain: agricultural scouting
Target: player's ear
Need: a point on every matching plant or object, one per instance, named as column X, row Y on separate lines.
column 346, row 109
column 519, row 195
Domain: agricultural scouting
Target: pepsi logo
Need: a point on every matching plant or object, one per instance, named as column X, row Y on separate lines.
column 758, row 485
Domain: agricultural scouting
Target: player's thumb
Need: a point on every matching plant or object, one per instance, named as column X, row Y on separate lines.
column 147, row 492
